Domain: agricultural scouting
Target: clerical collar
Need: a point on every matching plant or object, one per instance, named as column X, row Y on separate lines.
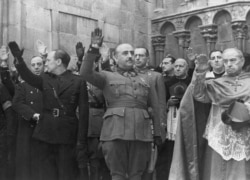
column 217, row 75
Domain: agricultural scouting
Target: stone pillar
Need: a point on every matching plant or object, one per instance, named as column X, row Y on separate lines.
column 209, row 33
column 4, row 20
column 183, row 38
column 240, row 30
column 158, row 42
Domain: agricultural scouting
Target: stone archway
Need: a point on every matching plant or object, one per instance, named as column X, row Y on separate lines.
column 225, row 35
column 197, row 41
column 171, row 46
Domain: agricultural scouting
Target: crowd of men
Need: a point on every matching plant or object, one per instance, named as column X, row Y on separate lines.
column 114, row 117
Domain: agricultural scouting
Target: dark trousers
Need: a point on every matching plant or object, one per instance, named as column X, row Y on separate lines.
column 58, row 161
column 164, row 160
column 126, row 159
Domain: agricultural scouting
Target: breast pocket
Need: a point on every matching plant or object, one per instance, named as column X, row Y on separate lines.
column 143, row 89
column 117, row 87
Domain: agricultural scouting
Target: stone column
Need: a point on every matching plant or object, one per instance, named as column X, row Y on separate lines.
column 4, row 20
column 209, row 33
column 183, row 38
column 158, row 42
column 240, row 30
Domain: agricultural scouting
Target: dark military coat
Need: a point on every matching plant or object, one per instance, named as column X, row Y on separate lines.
column 128, row 98
column 61, row 96
column 26, row 102
column 7, row 131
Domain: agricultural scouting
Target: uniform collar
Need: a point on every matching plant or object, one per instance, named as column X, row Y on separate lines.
column 127, row 73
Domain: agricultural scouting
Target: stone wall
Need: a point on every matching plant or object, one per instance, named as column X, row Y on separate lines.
column 203, row 25
column 62, row 23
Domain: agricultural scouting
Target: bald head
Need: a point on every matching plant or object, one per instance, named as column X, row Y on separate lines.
column 233, row 61
column 124, row 56
column 180, row 68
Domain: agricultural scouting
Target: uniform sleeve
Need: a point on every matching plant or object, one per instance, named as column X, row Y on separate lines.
column 83, row 126
column 11, row 117
column 88, row 73
column 28, row 76
column 155, row 105
column 19, row 104
column 200, row 87
column 161, row 91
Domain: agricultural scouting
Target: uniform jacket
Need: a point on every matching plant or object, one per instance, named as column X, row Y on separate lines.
column 158, row 87
column 127, row 100
column 72, row 92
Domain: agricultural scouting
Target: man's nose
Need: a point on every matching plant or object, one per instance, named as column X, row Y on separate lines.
column 130, row 54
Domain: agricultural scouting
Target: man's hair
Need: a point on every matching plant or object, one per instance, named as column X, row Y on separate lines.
column 37, row 57
column 147, row 52
column 240, row 54
column 171, row 57
column 215, row 50
column 63, row 55
column 115, row 51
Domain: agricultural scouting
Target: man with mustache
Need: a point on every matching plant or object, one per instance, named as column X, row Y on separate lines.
column 126, row 132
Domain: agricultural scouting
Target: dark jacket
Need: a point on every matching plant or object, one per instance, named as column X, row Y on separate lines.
column 61, row 96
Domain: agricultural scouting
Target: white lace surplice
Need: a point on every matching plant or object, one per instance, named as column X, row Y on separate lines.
column 228, row 143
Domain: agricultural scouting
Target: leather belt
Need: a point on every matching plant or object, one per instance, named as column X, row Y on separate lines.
column 56, row 112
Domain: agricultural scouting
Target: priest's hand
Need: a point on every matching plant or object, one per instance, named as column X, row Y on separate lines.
column 173, row 101
column 190, row 54
column 202, row 63
column 96, row 38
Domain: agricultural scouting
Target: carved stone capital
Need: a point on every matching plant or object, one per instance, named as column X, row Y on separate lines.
column 158, row 42
column 240, row 29
column 183, row 38
column 209, row 32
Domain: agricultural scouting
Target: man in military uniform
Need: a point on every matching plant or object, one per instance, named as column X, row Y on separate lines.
column 58, row 129
column 156, row 84
column 7, row 134
column 97, row 165
column 126, row 131
column 8, row 122
column 27, row 102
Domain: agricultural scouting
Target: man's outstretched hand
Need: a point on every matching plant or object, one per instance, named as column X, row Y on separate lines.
column 80, row 51
column 96, row 38
column 15, row 50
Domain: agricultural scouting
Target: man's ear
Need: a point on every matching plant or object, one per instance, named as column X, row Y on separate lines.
column 115, row 58
column 59, row 61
